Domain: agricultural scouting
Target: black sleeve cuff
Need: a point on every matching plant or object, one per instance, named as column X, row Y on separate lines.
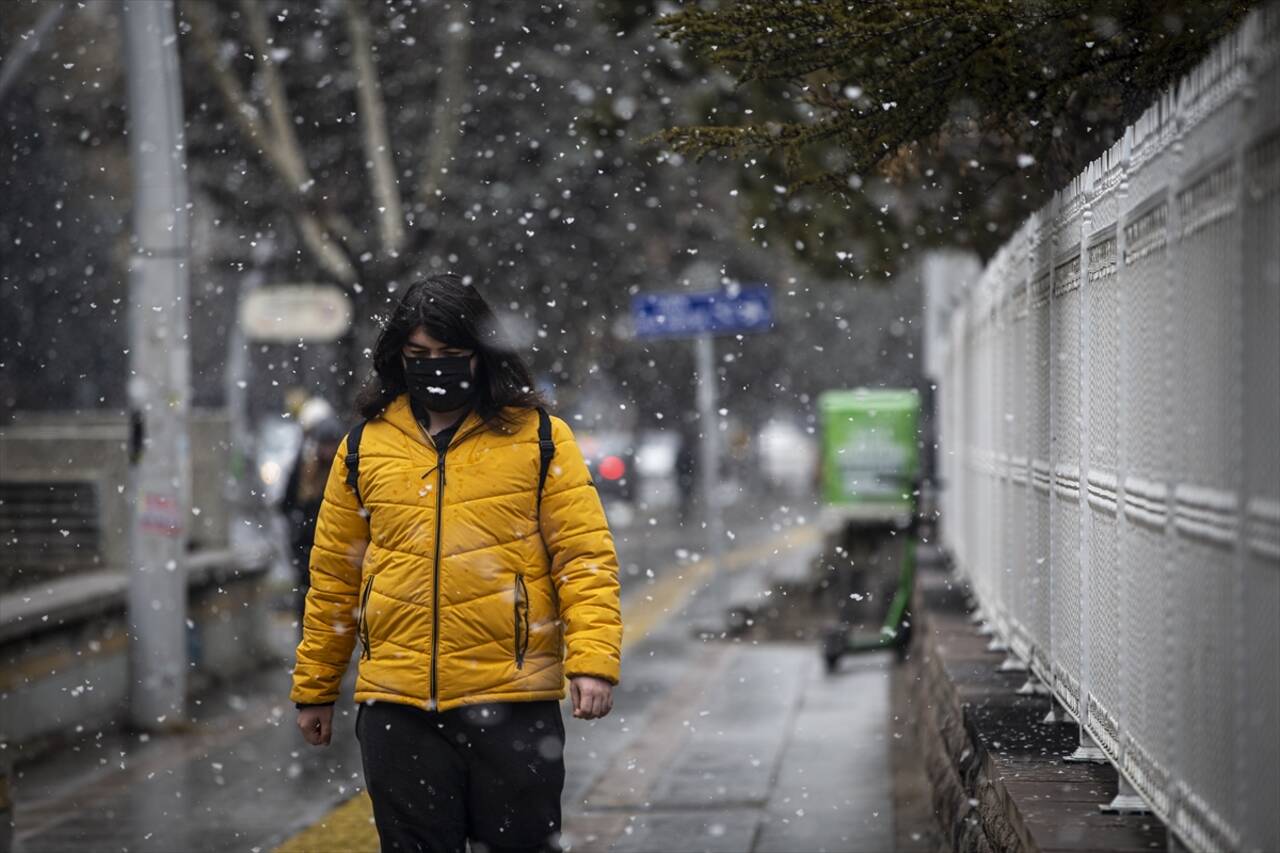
column 301, row 705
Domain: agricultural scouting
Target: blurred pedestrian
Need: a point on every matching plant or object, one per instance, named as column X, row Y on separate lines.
column 303, row 493
column 462, row 542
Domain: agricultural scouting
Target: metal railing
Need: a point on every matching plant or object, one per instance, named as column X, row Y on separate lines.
column 1110, row 428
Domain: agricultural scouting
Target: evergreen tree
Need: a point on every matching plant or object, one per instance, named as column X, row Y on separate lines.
column 872, row 128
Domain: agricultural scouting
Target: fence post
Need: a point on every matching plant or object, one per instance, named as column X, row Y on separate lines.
column 1087, row 750
column 1121, row 800
column 1173, row 228
column 1051, row 454
column 1247, row 808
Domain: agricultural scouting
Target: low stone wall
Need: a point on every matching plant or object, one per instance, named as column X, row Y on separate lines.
column 999, row 782
column 64, row 647
column 90, row 452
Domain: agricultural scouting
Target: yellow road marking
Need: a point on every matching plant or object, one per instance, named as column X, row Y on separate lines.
column 663, row 599
column 350, row 827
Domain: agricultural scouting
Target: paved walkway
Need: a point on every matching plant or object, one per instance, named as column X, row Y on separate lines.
column 713, row 745
column 754, row 749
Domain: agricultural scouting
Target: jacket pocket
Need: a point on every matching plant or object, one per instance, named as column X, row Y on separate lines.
column 362, row 626
column 520, row 615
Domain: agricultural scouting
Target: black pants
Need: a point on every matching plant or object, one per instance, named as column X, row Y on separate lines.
column 489, row 774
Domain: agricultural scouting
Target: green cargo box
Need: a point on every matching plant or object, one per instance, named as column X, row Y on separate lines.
column 870, row 455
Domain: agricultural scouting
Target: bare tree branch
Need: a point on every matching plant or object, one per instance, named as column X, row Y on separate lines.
column 450, row 93
column 292, row 162
column 330, row 255
column 24, row 50
column 377, row 143
column 281, row 117
column 286, row 162
column 242, row 111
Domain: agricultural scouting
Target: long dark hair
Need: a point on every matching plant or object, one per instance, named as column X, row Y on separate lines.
column 454, row 313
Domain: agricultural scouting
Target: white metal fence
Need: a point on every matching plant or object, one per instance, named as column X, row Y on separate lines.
column 1110, row 423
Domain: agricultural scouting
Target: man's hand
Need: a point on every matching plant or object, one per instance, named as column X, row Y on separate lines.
column 592, row 697
column 316, row 724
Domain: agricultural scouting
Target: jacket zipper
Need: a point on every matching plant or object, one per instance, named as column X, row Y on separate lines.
column 435, row 574
column 435, row 563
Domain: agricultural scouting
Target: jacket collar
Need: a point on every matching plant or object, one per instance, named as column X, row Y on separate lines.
column 400, row 415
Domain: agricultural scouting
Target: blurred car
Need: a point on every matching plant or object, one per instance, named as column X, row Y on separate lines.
column 611, row 457
column 788, row 457
column 656, row 454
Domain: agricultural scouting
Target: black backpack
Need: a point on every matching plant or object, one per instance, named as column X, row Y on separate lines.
column 546, row 450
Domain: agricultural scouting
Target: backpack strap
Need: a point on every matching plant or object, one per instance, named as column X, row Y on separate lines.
column 353, row 461
column 546, row 450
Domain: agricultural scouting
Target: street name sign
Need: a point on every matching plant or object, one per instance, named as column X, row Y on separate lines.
column 667, row 315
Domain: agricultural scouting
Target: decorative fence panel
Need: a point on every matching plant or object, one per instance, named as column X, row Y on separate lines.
column 1110, row 417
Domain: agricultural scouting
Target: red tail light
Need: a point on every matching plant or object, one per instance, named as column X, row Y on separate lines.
column 612, row 468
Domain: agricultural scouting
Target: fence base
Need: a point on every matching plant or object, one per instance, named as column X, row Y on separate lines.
column 1087, row 751
column 1012, row 664
column 987, row 754
column 1127, row 801
column 1035, row 687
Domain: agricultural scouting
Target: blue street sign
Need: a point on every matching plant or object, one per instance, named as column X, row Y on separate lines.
column 718, row 313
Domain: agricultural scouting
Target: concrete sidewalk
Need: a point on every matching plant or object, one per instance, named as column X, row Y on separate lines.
column 713, row 745
column 754, row 749
column 747, row 746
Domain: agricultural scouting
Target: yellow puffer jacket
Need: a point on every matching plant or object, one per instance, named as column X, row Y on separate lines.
column 455, row 592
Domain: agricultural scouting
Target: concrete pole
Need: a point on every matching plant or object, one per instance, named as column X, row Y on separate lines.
column 708, row 461
column 159, row 361
column 242, row 475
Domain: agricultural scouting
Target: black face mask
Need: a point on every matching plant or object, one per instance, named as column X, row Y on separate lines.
column 440, row 384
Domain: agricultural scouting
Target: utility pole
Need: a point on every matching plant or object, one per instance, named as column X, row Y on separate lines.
column 159, row 378
column 709, row 447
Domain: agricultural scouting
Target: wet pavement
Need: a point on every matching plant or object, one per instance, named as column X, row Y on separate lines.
column 712, row 745
column 755, row 749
